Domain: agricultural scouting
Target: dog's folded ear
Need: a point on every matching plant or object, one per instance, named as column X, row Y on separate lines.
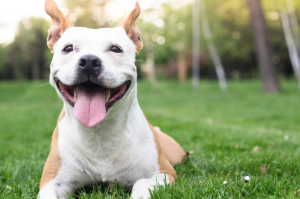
column 128, row 23
column 58, row 25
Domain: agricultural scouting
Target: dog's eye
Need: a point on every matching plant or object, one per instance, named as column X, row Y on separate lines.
column 116, row 49
column 68, row 49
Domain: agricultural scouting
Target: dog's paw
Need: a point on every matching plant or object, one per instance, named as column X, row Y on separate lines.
column 140, row 189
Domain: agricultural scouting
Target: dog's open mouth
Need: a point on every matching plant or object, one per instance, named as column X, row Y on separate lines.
column 91, row 101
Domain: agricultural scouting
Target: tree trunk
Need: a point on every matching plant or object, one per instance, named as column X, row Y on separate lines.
column 294, row 24
column 149, row 66
column 196, row 44
column 213, row 50
column 35, row 71
column 268, row 73
column 291, row 45
column 181, row 63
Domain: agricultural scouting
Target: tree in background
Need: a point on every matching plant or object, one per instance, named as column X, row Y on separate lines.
column 88, row 13
column 4, row 73
column 27, row 57
column 213, row 50
column 166, row 29
column 263, row 48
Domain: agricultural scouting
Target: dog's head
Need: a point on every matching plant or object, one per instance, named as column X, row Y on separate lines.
column 93, row 69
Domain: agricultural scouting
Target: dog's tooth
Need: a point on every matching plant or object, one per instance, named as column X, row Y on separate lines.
column 107, row 96
column 75, row 94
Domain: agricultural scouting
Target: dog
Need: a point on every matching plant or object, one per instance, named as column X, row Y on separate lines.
column 102, row 134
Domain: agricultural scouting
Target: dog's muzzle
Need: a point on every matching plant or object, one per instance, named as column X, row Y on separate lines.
column 89, row 97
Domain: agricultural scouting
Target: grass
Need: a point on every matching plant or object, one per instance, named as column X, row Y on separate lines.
column 221, row 128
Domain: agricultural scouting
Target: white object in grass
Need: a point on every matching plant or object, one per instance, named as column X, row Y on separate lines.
column 286, row 137
column 225, row 182
column 247, row 179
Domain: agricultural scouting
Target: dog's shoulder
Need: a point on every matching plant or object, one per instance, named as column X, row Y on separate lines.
column 53, row 163
column 164, row 165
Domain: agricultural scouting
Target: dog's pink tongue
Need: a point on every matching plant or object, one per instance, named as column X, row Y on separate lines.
column 90, row 107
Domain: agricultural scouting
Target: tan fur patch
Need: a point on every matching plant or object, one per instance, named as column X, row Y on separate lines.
column 164, row 164
column 53, row 163
column 59, row 23
column 170, row 148
column 128, row 23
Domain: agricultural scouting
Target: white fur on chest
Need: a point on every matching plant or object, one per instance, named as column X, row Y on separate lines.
column 123, row 150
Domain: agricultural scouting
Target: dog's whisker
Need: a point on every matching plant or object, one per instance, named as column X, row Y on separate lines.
column 44, row 84
column 141, row 61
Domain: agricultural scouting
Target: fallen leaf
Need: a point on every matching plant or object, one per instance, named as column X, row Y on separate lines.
column 255, row 149
column 110, row 187
column 263, row 169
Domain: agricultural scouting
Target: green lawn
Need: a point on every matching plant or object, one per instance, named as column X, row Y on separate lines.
column 221, row 128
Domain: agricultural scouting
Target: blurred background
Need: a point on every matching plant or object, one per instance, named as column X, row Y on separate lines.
column 209, row 39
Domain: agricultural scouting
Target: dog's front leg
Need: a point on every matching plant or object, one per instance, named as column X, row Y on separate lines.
column 141, row 187
column 53, row 191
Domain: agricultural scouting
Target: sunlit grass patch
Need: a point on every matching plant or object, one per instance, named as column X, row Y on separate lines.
column 232, row 134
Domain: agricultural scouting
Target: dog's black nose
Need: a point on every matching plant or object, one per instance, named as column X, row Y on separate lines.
column 89, row 64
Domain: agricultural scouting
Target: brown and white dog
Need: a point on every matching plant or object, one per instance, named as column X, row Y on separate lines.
column 102, row 134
